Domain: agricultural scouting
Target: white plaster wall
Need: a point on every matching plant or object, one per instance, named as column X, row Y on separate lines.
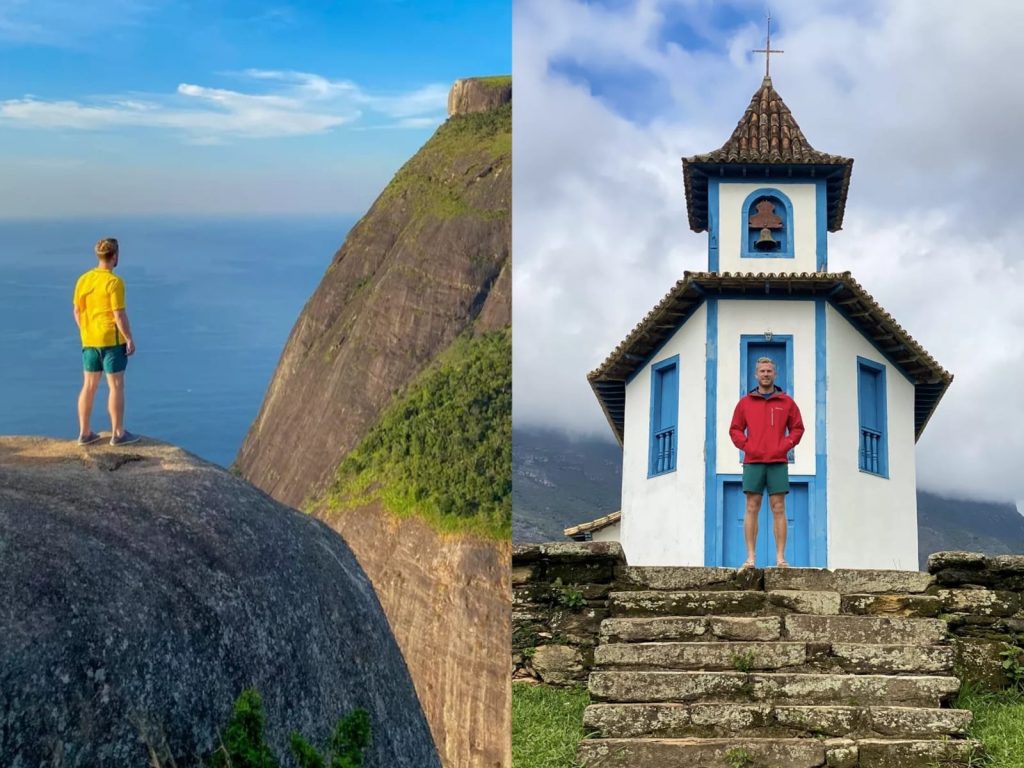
column 730, row 217
column 872, row 521
column 663, row 517
column 738, row 317
column 608, row 533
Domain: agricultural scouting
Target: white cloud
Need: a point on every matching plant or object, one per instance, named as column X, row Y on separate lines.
column 921, row 95
column 297, row 104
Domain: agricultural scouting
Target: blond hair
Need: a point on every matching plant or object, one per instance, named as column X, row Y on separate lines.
column 768, row 360
column 106, row 249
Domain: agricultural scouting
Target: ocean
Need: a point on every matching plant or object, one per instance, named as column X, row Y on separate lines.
column 211, row 303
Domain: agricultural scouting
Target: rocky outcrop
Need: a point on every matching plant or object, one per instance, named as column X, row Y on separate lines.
column 414, row 273
column 142, row 589
column 447, row 599
column 429, row 262
column 479, row 94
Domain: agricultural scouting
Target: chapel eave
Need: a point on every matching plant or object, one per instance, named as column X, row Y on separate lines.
column 840, row 289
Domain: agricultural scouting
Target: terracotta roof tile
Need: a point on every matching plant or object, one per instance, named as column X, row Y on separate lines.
column 594, row 525
column 767, row 134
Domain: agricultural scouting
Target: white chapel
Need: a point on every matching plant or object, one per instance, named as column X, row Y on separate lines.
column 865, row 387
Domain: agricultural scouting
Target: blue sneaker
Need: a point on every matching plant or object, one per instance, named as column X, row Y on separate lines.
column 88, row 439
column 125, row 438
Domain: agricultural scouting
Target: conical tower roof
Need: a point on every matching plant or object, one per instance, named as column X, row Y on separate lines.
column 766, row 135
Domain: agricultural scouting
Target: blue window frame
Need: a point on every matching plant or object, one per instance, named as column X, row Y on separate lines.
column 664, row 438
column 781, row 208
column 873, row 451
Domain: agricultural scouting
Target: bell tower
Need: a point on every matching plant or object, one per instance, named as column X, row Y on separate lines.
column 766, row 198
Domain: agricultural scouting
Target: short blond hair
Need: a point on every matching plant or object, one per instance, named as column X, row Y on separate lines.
column 106, row 249
column 765, row 361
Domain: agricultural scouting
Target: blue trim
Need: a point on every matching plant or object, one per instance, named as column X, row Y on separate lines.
column 880, row 404
column 656, row 422
column 818, row 513
column 712, row 520
column 821, row 222
column 713, row 211
column 745, row 340
column 786, row 252
column 716, row 557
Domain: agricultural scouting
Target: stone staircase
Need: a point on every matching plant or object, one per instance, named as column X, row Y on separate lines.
column 775, row 668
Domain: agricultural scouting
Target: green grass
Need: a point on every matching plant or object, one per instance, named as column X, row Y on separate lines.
column 499, row 81
column 547, row 725
column 433, row 181
column 998, row 724
column 442, row 451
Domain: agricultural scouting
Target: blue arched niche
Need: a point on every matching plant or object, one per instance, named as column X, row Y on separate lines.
column 749, row 235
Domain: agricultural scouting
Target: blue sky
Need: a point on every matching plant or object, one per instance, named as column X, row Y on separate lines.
column 151, row 106
column 611, row 94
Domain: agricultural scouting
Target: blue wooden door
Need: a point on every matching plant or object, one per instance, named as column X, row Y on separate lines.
column 797, row 538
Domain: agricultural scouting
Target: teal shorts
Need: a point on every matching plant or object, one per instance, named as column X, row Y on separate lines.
column 773, row 476
column 106, row 359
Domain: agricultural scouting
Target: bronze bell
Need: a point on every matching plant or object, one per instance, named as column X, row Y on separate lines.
column 766, row 242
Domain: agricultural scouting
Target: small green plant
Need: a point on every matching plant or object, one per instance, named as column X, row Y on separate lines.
column 529, row 653
column 242, row 743
column 348, row 745
column 1011, row 663
column 743, row 662
column 567, row 596
column 738, row 757
column 747, row 689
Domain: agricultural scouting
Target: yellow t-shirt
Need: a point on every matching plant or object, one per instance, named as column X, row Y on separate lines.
column 97, row 294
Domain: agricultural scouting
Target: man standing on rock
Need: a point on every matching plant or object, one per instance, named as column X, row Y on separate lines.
column 106, row 342
column 766, row 425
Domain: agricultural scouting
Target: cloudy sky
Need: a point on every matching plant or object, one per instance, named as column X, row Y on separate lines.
column 610, row 95
column 225, row 106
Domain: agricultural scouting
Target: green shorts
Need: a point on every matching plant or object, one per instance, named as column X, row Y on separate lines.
column 106, row 359
column 774, row 476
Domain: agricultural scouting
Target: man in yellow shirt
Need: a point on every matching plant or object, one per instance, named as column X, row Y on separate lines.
column 106, row 342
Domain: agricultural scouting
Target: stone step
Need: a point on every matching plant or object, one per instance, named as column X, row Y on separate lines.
column 826, row 629
column 725, row 601
column 842, row 580
column 717, row 602
column 777, row 753
column 676, row 721
column 887, row 630
column 691, row 628
column 780, row 687
column 853, row 658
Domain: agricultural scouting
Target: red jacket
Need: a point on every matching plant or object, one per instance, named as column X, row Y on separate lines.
column 766, row 420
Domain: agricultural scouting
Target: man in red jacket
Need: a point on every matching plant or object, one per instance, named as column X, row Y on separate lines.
column 766, row 425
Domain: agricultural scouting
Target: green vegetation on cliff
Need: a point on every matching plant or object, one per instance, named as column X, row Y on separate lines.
column 433, row 179
column 443, row 449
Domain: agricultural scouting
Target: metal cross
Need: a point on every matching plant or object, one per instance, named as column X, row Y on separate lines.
column 767, row 50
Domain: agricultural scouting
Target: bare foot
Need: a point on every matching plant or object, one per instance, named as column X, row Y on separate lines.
column 782, row 564
column 747, row 565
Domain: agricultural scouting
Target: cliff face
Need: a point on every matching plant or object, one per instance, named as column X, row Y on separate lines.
column 143, row 589
column 428, row 263
column 447, row 599
column 413, row 274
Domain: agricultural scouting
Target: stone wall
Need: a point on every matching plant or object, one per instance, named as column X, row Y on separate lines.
column 560, row 597
column 983, row 603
